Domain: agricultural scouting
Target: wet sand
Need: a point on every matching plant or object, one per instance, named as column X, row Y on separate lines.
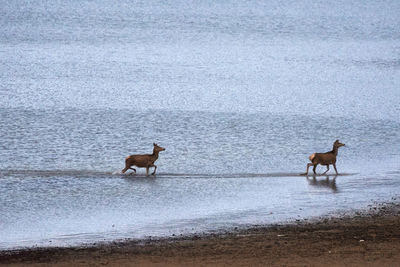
column 365, row 238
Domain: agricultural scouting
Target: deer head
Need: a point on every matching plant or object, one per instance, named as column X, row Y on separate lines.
column 158, row 148
column 337, row 144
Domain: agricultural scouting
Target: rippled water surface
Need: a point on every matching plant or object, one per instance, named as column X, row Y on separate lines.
column 239, row 94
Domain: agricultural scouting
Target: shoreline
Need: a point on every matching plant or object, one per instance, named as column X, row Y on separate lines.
column 365, row 237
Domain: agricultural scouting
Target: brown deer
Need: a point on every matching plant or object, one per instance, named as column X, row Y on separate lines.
column 143, row 161
column 325, row 158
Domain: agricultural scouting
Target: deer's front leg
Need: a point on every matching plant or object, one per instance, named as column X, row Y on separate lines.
column 155, row 168
column 334, row 166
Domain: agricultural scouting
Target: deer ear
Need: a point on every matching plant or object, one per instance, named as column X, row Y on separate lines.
column 154, row 144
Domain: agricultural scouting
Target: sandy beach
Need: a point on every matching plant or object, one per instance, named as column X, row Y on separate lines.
column 365, row 238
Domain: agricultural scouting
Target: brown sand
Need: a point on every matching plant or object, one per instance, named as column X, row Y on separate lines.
column 363, row 239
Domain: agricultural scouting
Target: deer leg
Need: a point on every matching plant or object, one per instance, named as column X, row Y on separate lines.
column 327, row 169
column 308, row 166
column 155, row 168
column 334, row 166
column 147, row 171
column 315, row 167
column 127, row 167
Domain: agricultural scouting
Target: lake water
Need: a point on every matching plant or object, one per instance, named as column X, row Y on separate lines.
column 239, row 93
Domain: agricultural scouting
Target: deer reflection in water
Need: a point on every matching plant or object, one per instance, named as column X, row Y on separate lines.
column 327, row 182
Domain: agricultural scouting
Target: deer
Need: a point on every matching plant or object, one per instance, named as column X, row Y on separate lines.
column 143, row 161
column 326, row 158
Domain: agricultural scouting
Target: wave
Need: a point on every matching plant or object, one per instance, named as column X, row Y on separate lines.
column 99, row 174
column 54, row 173
column 247, row 175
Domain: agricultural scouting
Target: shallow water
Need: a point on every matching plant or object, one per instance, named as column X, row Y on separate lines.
column 60, row 181
column 239, row 94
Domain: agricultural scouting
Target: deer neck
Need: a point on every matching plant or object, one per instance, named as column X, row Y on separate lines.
column 335, row 150
column 155, row 154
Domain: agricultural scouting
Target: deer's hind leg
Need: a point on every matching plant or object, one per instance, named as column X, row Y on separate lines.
column 327, row 169
column 129, row 162
column 308, row 166
column 128, row 168
column 314, row 168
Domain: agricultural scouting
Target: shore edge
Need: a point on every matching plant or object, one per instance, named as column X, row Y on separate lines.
column 368, row 237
